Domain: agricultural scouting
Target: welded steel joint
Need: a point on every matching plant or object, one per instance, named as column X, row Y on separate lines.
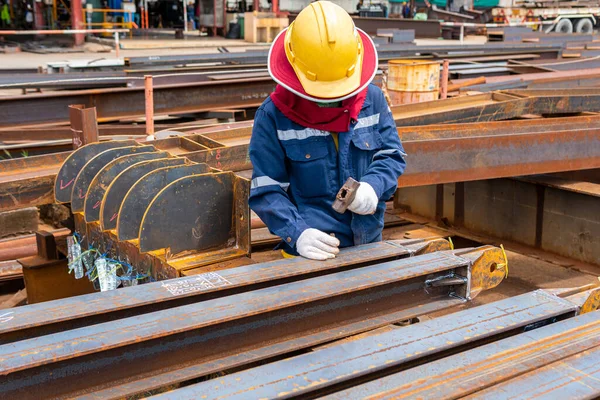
column 481, row 272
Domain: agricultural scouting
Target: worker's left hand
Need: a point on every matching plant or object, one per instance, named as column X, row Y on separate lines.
column 365, row 202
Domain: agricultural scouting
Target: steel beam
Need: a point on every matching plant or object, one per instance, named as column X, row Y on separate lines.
column 74, row 312
column 437, row 154
column 499, row 156
column 496, row 106
column 207, row 334
column 112, row 104
column 483, row 367
column 58, row 133
column 575, row 378
column 363, row 358
column 539, row 125
column 29, row 181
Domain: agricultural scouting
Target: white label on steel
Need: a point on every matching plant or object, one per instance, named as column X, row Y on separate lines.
column 198, row 283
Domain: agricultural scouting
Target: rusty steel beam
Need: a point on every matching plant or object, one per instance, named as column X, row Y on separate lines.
column 70, row 313
column 194, row 340
column 325, row 370
column 499, row 156
column 574, row 377
column 477, row 371
column 437, row 154
column 29, row 181
column 84, row 125
column 456, row 157
column 57, row 133
column 441, row 131
column 114, row 104
column 496, row 106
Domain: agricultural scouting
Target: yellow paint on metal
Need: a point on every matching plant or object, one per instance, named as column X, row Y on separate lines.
column 592, row 303
column 485, row 273
column 433, row 245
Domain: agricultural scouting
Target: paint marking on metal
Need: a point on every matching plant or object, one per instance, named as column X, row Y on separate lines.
column 6, row 317
column 209, row 280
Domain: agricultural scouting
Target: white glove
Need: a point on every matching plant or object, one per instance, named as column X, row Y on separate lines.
column 317, row 245
column 365, row 202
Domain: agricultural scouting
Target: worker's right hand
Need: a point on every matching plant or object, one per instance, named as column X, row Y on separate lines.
column 317, row 245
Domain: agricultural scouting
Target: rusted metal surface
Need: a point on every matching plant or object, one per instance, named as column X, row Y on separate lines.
column 118, row 188
column 478, row 369
column 149, row 104
column 488, row 157
column 179, row 145
column 112, row 104
column 539, row 125
column 221, row 329
column 454, row 155
column 461, row 164
column 73, row 164
column 247, row 358
column 106, row 175
column 57, row 132
column 28, row 181
column 190, row 214
column 140, row 195
column 10, row 270
column 496, row 106
column 575, row 377
column 235, row 158
column 94, row 166
column 324, row 370
column 84, row 125
column 87, row 310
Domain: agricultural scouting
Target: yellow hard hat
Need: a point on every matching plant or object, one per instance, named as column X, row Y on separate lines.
column 325, row 51
column 322, row 56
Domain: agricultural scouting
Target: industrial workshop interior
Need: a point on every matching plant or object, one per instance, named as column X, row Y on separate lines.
column 333, row 199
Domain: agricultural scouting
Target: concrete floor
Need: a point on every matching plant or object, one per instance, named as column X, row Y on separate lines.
column 150, row 47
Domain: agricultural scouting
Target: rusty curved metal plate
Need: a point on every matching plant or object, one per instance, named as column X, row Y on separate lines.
column 92, row 167
column 183, row 217
column 76, row 161
column 119, row 187
column 139, row 197
column 98, row 186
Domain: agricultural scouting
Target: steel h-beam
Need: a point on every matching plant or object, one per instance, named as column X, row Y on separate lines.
column 217, row 334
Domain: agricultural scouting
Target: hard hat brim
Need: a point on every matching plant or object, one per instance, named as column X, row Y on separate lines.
column 283, row 73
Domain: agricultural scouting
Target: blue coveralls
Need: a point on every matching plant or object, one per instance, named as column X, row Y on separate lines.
column 298, row 172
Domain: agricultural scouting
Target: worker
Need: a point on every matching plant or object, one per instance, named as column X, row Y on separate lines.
column 405, row 11
column 5, row 16
column 323, row 123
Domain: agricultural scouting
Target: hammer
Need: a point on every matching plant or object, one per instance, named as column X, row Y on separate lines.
column 345, row 195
